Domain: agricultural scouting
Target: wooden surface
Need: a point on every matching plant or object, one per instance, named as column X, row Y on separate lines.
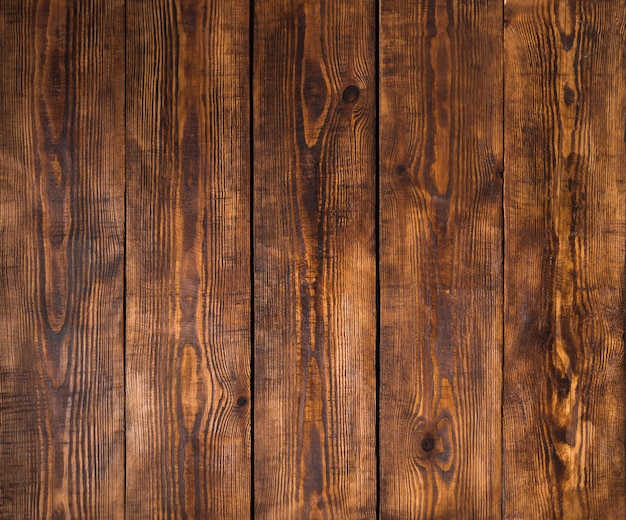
column 440, row 259
column 188, row 260
column 312, row 259
column 565, row 216
column 61, row 260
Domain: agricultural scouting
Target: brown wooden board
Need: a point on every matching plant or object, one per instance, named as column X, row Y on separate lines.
column 322, row 259
column 565, row 219
column 61, row 259
column 440, row 258
column 314, row 259
column 188, row 259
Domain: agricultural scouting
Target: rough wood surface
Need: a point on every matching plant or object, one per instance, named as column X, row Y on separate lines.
column 315, row 272
column 188, row 259
column 440, row 258
column 160, row 247
column 564, row 401
column 61, row 259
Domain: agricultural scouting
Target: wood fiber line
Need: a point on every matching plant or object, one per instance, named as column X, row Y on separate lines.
column 565, row 389
column 440, row 259
column 314, row 265
column 188, row 259
column 61, row 259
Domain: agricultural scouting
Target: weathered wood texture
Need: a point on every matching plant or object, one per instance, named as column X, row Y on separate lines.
column 440, row 258
column 188, row 259
column 315, row 272
column 61, row 259
column 565, row 218
column 189, row 310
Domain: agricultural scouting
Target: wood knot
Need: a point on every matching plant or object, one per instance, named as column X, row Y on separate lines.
column 569, row 96
column 427, row 444
column 401, row 170
column 242, row 401
column 351, row 94
column 433, row 442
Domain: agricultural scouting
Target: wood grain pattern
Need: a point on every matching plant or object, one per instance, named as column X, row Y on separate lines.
column 440, row 258
column 188, row 259
column 314, row 259
column 61, row 260
column 449, row 347
column 565, row 390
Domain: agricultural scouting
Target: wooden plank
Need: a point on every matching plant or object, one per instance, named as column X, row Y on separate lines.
column 440, row 258
column 61, row 259
column 565, row 386
column 188, row 259
column 314, row 264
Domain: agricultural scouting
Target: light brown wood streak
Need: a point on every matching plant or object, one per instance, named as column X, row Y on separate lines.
column 188, row 257
column 314, row 263
column 566, row 231
column 61, row 282
column 440, row 258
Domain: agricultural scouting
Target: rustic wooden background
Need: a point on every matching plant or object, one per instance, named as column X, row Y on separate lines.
column 322, row 259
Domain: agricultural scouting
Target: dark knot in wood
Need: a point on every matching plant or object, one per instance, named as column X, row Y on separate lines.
column 428, row 443
column 351, row 94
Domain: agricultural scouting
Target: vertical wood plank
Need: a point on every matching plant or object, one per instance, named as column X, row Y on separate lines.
column 440, row 258
column 314, row 262
column 61, row 259
column 565, row 385
column 188, row 258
